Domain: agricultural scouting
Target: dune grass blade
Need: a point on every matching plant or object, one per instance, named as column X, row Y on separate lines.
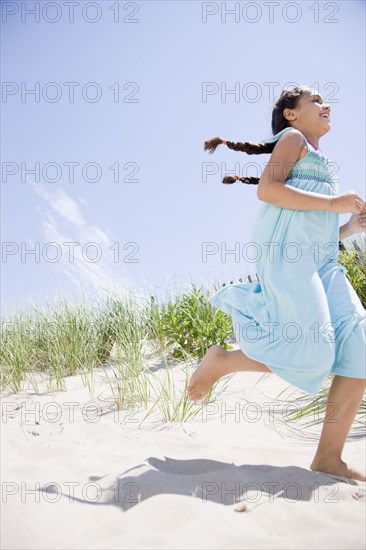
column 126, row 324
column 172, row 401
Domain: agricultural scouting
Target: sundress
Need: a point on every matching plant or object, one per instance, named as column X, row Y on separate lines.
column 303, row 319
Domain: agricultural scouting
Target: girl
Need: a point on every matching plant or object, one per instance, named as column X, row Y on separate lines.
column 303, row 319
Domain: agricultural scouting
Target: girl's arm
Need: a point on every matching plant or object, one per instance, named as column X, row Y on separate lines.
column 345, row 231
column 356, row 224
column 272, row 187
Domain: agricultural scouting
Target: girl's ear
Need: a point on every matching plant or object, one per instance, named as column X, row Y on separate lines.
column 288, row 114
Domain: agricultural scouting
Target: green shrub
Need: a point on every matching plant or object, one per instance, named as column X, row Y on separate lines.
column 192, row 324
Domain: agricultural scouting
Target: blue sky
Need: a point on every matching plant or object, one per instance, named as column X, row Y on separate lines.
column 161, row 57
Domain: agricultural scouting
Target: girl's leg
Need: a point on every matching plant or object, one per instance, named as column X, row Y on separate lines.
column 345, row 396
column 216, row 363
column 343, row 402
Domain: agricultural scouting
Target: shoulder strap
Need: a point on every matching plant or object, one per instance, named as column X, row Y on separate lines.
column 276, row 137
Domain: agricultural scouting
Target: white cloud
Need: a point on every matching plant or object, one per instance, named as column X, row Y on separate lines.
column 90, row 267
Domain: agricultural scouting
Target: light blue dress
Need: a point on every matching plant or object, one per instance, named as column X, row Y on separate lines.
column 303, row 319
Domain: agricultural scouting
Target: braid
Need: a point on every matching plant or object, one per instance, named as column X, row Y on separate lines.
column 287, row 100
column 243, row 146
column 251, row 148
column 247, row 179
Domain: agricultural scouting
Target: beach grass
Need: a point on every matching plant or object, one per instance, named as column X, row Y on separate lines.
column 40, row 348
column 123, row 336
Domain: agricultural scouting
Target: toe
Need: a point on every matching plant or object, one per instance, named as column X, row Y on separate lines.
column 193, row 395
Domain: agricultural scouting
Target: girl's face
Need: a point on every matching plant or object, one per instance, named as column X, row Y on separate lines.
column 311, row 112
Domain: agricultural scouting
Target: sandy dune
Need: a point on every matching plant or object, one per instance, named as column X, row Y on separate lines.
column 76, row 474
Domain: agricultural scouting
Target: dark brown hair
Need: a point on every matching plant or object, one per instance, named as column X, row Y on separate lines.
column 288, row 99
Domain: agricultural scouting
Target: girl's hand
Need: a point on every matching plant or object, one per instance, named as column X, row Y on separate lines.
column 357, row 222
column 347, row 202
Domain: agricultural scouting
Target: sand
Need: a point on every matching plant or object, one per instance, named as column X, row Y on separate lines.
column 76, row 474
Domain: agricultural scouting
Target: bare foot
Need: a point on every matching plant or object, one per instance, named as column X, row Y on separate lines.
column 337, row 467
column 211, row 368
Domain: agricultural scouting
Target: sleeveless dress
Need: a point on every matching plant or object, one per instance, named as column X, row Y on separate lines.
column 303, row 319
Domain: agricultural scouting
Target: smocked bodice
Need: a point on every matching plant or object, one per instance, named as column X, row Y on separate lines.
column 315, row 166
column 308, row 229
